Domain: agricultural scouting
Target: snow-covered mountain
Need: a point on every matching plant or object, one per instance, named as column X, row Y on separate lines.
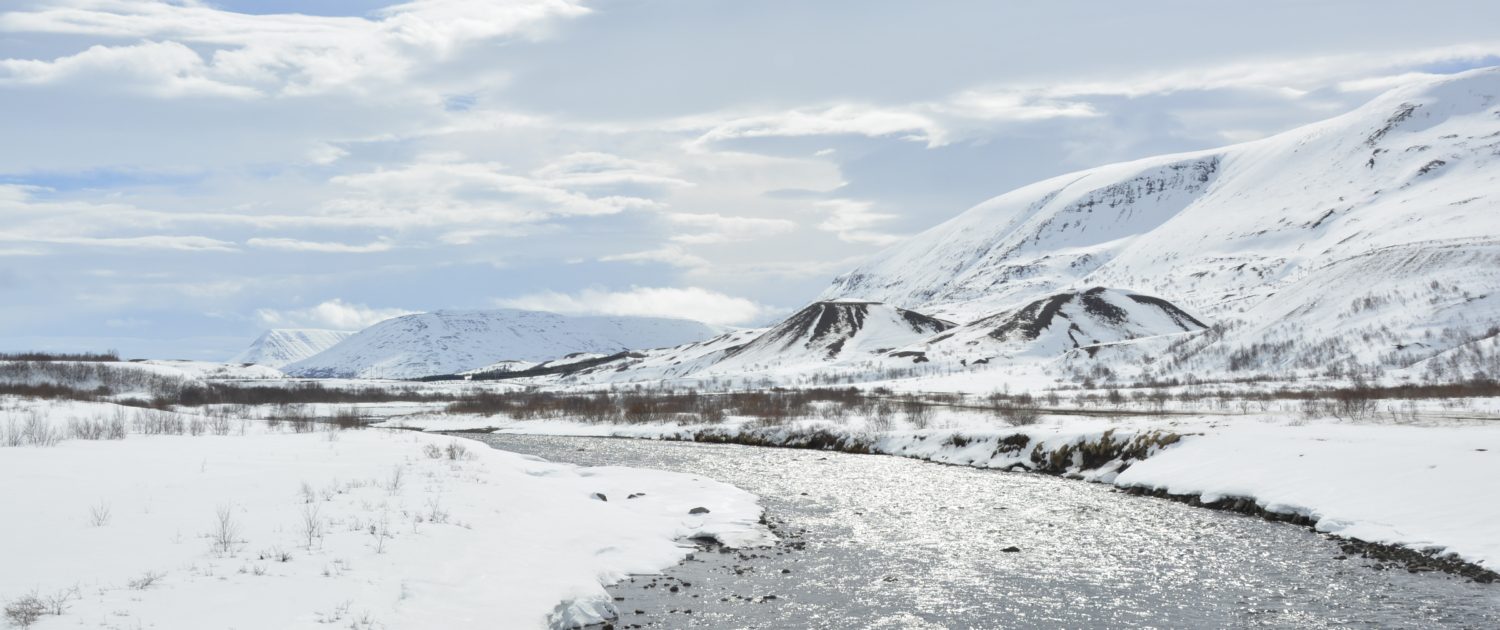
column 1053, row 325
column 448, row 342
column 1372, row 238
column 842, row 335
column 830, row 332
column 280, row 346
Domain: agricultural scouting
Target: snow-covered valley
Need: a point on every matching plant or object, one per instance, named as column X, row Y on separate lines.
column 1302, row 329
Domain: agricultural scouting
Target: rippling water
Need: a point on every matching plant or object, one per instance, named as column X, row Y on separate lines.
column 898, row 543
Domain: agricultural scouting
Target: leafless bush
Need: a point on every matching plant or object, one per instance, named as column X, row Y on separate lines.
column 396, row 480
column 157, row 422
column 25, row 611
column 225, row 536
column 882, row 417
column 435, row 513
column 99, row 514
column 457, row 451
column 196, row 427
column 346, row 418
column 312, row 525
column 432, row 450
column 219, row 425
column 1018, row 415
column 10, row 433
column 37, row 431
column 276, row 554
column 145, row 581
column 57, row 604
column 918, row 413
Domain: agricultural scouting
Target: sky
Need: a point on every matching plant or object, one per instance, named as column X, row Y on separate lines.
column 180, row 175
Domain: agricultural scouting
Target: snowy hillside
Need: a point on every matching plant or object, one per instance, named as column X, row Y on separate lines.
column 832, row 332
column 843, row 334
column 1058, row 323
column 280, row 346
column 447, row 342
column 1372, row 238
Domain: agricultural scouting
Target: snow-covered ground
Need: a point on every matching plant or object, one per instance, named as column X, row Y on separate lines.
column 1425, row 487
column 245, row 527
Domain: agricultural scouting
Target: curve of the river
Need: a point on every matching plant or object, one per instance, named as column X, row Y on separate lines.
column 888, row 542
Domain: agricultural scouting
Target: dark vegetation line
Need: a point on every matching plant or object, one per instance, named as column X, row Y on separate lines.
column 108, row 355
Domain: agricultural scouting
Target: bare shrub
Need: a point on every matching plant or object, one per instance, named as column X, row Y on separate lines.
column 219, row 425
column 37, row 431
column 435, row 513
column 25, row 611
column 99, row 514
column 346, row 418
column 196, row 427
column 57, row 604
column 224, row 537
column 145, row 581
column 86, row 428
column 10, row 434
column 457, row 451
column 312, row 525
column 918, row 413
column 433, row 451
column 396, row 480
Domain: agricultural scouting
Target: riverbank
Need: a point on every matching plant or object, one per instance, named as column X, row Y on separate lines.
column 1385, row 487
column 125, row 517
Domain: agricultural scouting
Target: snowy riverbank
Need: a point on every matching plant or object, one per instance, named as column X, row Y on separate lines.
column 1421, row 487
column 243, row 526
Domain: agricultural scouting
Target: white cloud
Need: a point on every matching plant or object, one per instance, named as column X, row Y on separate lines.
column 444, row 190
column 853, row 221
column 718, row 228
column 289, row 54
column 180, row 243
column 693, row 303
column 294, row 245
column 841, row 119
column 335, row 314
column 164, row 69
column 671, row 255
column 604, row 169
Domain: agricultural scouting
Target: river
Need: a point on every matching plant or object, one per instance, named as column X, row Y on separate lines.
column 887, row 542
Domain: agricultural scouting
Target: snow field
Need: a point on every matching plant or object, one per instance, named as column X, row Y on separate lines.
column 362, row 529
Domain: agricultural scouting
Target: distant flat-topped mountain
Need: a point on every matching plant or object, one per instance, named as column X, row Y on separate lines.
column 449, row 342
column 280, row 346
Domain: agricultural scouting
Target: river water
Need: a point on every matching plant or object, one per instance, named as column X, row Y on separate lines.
column 887, row 542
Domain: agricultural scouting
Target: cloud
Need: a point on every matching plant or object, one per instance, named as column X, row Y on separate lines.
column 841, row 119
column 445, row 190
column 852, row 221
column 294, row 245
column 334, row 314
column 164, row 69
column 604, row 169
column 670, row 255
column 276, row 54
column 180, row 243
column 702, row 305
column 717, row 228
